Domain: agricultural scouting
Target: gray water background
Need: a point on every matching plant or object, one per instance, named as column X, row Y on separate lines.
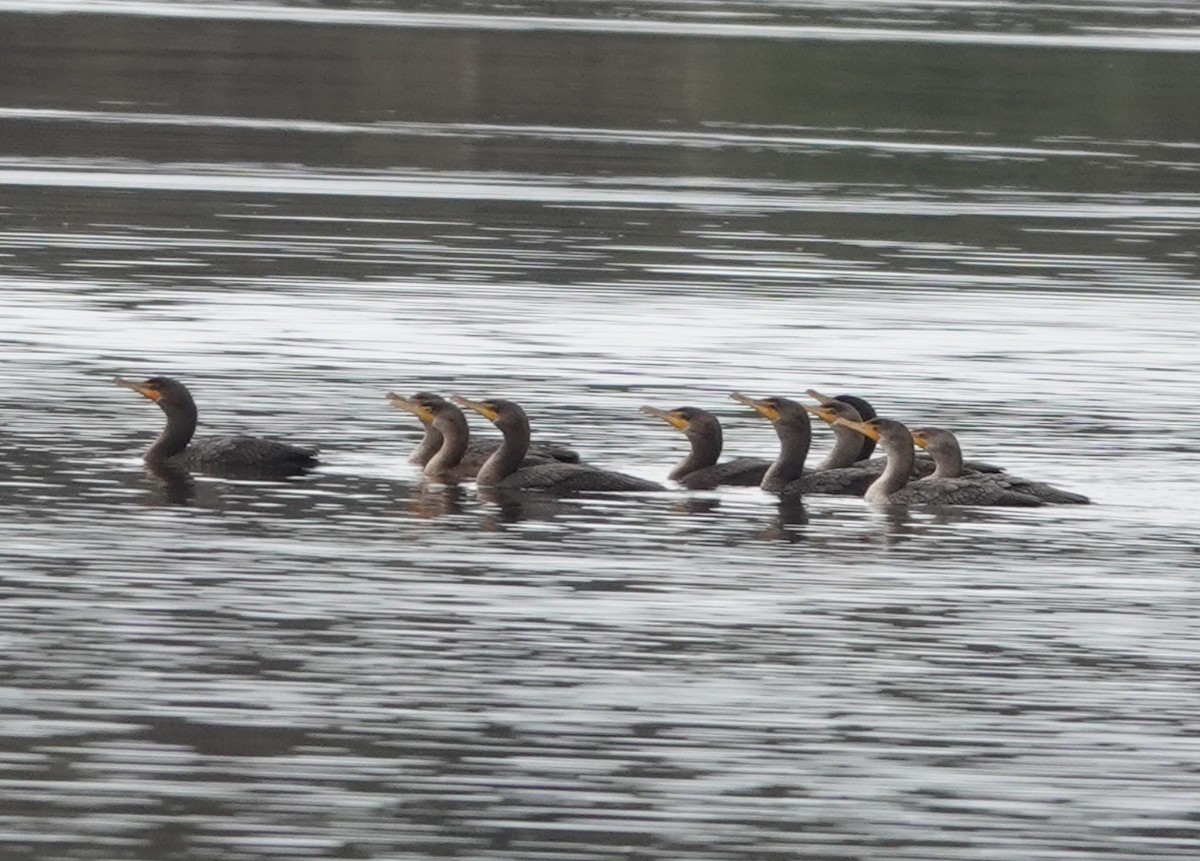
column 983, row 216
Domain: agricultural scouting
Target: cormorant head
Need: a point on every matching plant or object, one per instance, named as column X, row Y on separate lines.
column 865, row 411
column 888, row 431
column 503, row 414
column 692, row 421
column 935, row 440
column 164, row 391
column 424, row 405
column 832, row 409
column 775, row 409
column 861, row 404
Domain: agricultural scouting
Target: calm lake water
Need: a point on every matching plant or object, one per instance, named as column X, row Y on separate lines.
column 983, row 216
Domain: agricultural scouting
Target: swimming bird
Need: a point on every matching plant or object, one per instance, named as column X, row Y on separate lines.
column 847, row 442
column 503, row 469
column 943, row 447
column 865, row 410
column 858, row 409
column 447, row 450
column 241, row 455
column 700, row 470
column 787, row 474
column 892, row 487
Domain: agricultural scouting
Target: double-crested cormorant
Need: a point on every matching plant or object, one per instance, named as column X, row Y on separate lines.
column 856, row 409
column 893, row 487
column 865, row 411
column 421, row 405
column 700, row 470
column 447, row 450
column 174, row 448
column 447, row 438
column 943, row 447
column 503, row 469
column 847, row 446
column 787, row 474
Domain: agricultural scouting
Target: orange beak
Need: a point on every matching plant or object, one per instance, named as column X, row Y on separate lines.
column 420, row 411
column 480, row 407
column 141, row 388
column 764, row 409
column 677, row 422
column 822, row 413
column 863, row 428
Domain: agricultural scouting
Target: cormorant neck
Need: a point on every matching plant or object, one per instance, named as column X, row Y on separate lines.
column 895, row 474
column 507, row 458
column 452, row 428
column 794, row 440
column 706, row 450
column 947, row 460
column 846, row 448
column 181, row 425
column 430, row 444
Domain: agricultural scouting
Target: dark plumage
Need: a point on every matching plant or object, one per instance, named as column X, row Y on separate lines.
column 700, row 469
column 447, row 450
column 894, row 488
column 847, row 448
column 503, row 469
column 787, row 475
column 863, row 407
column 844, row 454
column 943, row 447
column 223, row 455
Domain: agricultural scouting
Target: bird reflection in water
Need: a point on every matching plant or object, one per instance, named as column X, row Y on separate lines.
column 515, row 505
column 430, row 501
column 897, row 524
column 171, row 485
column 697, row 505
column 789, row 514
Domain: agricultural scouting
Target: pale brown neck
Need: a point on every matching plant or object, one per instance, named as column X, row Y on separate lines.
column 846, row 448
column 900, row 458
column 452, row 427
column 430, row 445
column 947, row 459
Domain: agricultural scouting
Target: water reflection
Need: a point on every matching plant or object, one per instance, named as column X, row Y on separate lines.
column 514, row 505
column 792, row 514
column 173, row 486
column 432, row 500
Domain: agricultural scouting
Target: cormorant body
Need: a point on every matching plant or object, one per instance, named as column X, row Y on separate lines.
column 943, row 447
column 894, row 488
column 447, row 451
column 700, row 470
column 229, row 455
column 503, row 469
column 787, row 475
column 857, row 409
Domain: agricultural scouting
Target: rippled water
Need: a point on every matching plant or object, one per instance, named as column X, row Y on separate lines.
column 985, row 218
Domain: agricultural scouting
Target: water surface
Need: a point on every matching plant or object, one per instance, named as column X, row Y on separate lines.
column 983, row 217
